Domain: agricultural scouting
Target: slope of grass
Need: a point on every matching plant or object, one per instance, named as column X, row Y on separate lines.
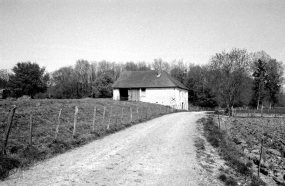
column 45, row 119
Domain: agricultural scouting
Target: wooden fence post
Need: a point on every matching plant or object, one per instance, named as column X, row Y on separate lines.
column 146, row 112
column 122, row 116
column 8, row 128
column 104, row 115
column 94, row 119
column 31, row 130
column 58, row 123
column 259, row 163
column 141, row 114
column 219, row 120
column 116, row 117
column 75, row 121
column 131, row 114
column 108, row 126
column 138, row 113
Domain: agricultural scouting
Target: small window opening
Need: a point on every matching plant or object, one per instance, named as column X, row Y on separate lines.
column 143, row 92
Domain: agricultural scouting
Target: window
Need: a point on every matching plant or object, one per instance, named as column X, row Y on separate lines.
column 143, row 92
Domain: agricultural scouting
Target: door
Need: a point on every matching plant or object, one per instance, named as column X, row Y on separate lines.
column 123, row 94
column 134, row 94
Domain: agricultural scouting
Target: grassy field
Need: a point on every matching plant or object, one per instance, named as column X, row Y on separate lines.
column 45, row 119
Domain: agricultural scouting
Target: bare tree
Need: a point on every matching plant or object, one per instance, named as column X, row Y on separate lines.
column 228, row 75
column 159, row 65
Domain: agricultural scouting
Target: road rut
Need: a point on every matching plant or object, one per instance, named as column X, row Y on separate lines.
column 157, row 152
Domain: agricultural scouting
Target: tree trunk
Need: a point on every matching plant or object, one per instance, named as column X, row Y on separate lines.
column 258, row 99
column 229, row 108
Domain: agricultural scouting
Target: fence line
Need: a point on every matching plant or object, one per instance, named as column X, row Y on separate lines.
column 60, row 124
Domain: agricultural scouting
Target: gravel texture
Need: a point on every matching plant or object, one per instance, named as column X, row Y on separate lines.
column 157, row 152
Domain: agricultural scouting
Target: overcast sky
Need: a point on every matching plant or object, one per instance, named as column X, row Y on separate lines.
column 57, row 33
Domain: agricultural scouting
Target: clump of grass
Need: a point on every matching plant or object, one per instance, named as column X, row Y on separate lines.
column 223, row 177
column 228, row 180
column 200, row 144
column 219, row 139
column 255, row 181
column 6, row 164
column 231, row 182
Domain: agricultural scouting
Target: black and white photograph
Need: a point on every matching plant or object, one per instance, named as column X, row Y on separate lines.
column 142, row 92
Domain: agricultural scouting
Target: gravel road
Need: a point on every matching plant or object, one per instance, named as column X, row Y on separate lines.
column 157, row 152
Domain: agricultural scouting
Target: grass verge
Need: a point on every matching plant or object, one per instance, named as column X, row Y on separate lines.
column 118, row 115
column 233, row 157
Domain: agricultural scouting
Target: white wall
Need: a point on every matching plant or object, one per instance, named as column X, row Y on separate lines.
column 181, row 96
column 116, row 94
column 173, row 97
column 158, row 95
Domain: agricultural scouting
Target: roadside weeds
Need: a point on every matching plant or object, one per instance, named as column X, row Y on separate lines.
column 237, row 169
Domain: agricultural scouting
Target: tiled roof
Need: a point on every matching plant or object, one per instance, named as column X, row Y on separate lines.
column 146, row 79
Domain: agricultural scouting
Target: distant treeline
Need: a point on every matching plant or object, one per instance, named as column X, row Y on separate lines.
column 235, row 78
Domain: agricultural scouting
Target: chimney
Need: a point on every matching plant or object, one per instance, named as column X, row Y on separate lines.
column 158, row 73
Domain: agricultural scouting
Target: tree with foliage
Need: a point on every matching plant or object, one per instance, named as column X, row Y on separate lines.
column 102, row 86
column 82, row 72
column 260, row 78
column 131, row 66
column 274, row 81
column 199, row 91
column 4, row 78
column 228, row 72
column 64, row 84
column 142, row 66
column 28, row 79
column 179, row 70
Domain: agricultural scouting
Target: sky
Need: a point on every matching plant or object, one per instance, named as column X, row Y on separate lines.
column 57, row 33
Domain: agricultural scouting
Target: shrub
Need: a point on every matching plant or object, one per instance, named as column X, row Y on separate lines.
column 41, row 96
column 6, row 164
column 255, row 181
column 231, row 182
column 223, row 177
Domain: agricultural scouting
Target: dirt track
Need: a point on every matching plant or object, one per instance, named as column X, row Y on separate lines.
column 157, row 152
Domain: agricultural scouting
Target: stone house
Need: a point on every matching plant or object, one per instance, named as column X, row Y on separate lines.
column 151, row 86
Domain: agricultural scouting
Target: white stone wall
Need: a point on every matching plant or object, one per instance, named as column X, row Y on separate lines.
column 157, row 95
column 173, row 97
column 116, row 94
column 181, row 97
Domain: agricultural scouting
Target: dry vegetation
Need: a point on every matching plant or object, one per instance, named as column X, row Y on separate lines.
column 237, row 170
column 45, row 119
column 247, row 134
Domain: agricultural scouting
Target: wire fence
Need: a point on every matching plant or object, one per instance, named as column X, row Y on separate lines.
column 253, row 113
column 45, row 124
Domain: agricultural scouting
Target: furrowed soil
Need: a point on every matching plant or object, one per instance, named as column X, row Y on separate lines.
column 157, row 152
column 247, row 133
